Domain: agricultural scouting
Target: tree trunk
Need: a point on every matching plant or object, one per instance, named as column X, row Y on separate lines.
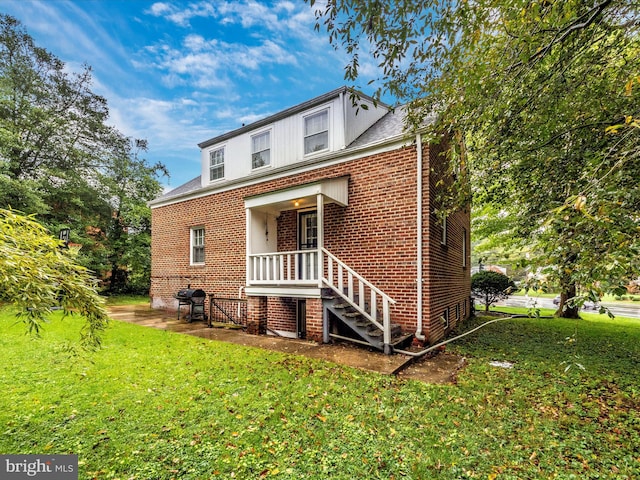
column 568, row 291
column 486, row 303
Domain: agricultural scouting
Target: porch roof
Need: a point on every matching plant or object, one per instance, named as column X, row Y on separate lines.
column 334, row 190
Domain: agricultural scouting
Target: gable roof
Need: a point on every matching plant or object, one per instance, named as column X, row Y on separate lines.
column 389, row 128
column 286, row 113
column 191, row 186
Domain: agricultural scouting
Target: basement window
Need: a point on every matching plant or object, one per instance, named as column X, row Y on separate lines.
column 445, row 318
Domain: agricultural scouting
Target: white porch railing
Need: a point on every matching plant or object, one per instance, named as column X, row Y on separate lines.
column 299, row 267
column 355, row 289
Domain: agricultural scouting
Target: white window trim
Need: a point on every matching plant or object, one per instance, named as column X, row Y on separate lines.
column 192, row 243
column 257, row 134
column 445, row 318
column 464, row 248
column 443, row 240
column 224, row 161
column 311, row 113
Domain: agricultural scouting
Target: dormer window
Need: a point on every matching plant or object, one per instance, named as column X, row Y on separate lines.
column 316, row 132
column 216, row 164
column 261, row 150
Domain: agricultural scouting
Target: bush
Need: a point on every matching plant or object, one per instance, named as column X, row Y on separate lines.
column 490, row 287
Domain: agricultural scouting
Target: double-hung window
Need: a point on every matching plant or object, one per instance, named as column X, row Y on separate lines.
column 197, row 246
column 216, row 164
column 261, row 150
column 464, row 247
column 443, row 238
column 316, row 132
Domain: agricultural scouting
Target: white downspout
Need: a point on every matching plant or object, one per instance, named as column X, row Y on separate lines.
column 419, row 335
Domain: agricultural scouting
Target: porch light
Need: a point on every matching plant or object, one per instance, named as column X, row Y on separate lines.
column 296, row 203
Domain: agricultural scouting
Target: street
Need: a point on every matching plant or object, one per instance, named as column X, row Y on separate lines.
column 618, row 309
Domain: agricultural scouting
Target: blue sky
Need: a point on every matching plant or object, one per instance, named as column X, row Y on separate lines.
column 177, row 73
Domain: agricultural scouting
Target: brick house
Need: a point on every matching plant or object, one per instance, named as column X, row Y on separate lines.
column 321, row 216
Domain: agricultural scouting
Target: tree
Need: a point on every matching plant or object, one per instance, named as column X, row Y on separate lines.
column 37, row 274
column 130, row 183
column 50, row 120
column 60, row 160
column 541, row 100
column 491, row 287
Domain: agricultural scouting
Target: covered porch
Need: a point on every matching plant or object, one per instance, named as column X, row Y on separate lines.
column 273, row 267
column 309, row 270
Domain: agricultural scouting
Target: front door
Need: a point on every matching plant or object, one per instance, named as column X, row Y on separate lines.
column 308, row 236
column 307, row 240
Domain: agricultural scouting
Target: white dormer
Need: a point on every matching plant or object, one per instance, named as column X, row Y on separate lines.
column 306, row 132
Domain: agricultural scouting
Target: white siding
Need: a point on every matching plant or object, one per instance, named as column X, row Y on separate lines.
column 358, row 123
column 287, row 138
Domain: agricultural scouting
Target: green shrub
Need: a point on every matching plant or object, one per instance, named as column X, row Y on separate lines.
column 490, row 287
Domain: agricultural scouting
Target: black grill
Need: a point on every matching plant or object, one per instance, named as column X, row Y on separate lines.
column 194, row 299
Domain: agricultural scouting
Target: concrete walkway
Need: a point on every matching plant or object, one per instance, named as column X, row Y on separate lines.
column 441, row 369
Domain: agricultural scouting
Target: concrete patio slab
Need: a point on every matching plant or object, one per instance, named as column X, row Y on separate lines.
column 440, row 369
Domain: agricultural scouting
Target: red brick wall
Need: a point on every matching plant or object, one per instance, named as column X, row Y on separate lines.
column 374, row 235
column 282, row 314
column 257, row 312
column 449, row 283
column 314, row 319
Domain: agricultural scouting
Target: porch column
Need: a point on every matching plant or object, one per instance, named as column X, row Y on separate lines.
column 248, row 247
column 320, row 225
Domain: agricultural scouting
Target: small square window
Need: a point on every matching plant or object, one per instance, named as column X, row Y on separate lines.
column 261, row 150
column 316, row 132
column 445, row 318
column 197, row 246
column 216, row 164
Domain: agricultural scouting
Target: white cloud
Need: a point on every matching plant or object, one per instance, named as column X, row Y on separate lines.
column 211, row 63
column 248, row 14
column 179, row 16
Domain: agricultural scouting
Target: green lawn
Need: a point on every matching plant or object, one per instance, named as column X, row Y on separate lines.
column 157, row 405
column 127, row 300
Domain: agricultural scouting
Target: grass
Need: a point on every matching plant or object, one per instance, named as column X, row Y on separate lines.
column 157, row 405
column 127, row 299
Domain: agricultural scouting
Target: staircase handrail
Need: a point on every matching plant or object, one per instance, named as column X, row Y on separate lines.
column 359, row 306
